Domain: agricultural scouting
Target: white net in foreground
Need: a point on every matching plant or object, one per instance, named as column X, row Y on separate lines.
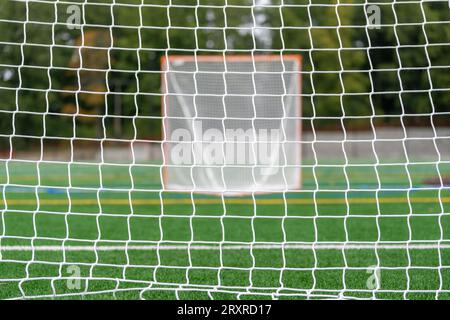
column 179, row 149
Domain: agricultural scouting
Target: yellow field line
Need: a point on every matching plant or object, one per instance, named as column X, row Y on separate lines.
column 309, row 201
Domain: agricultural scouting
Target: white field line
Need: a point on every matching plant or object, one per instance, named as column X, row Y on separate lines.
column 317, row 246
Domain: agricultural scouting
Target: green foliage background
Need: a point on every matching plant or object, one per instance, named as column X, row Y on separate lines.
column 348, row 70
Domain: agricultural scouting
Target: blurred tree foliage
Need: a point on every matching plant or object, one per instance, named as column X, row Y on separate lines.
column 114, row 59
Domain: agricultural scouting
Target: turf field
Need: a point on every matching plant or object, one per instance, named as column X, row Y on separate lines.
column 130, row 240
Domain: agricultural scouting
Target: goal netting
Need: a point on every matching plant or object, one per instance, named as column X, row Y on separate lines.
column 232, row 123
column 191, row 149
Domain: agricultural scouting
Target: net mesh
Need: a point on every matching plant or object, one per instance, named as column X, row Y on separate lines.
column 239, row 123
column 179, row 149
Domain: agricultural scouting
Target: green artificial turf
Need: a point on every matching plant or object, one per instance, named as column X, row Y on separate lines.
column 52, row 204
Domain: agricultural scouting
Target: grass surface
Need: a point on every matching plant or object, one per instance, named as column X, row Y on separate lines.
column 47, row 205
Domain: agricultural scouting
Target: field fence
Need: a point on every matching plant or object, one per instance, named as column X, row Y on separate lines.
column 386, row 144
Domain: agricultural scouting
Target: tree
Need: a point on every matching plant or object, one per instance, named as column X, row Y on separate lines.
column 388, row 68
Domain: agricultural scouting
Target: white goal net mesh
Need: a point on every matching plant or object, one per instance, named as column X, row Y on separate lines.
column 224, row 149
column 232, row 125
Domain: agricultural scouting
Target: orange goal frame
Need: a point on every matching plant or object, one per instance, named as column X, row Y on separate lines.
column 225, row 58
